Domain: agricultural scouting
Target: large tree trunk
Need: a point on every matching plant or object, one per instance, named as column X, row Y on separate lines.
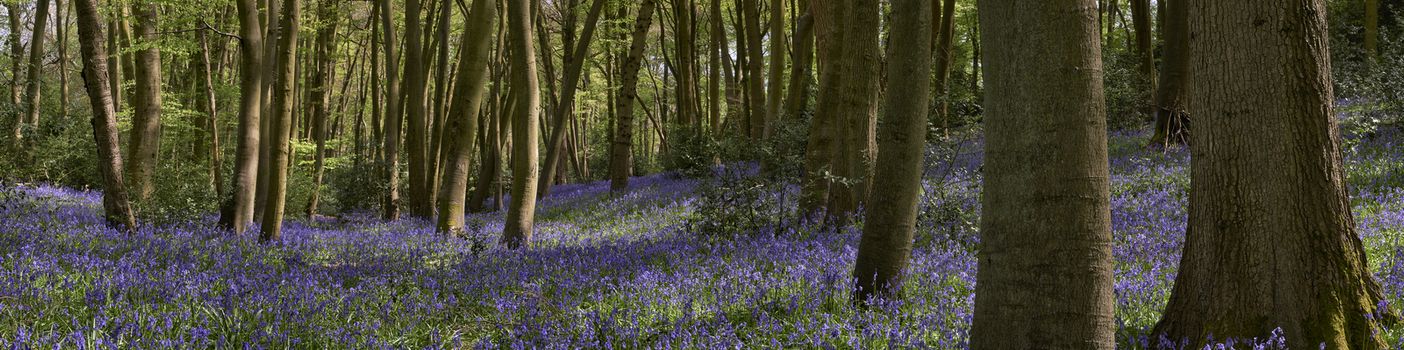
column 1271, row 242
column 517, row 229
column 145, row 139
column 574, row 61
column 1045, row 265
column 621, row 157
column 1145, row 42
column 420, row 202
column 238, row 207
column 322, row 74
column 887, row 232
column 462, row 128
column 281, row 122
column 755, row 70
column 116, row 208
column 819, row 146
column 270, row 60
column 392, row 114
column 797, row 100
column 855, row 109
column 36, row 63
column 1171, row 97
column 686, row 64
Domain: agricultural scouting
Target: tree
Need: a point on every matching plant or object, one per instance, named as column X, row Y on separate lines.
column 322, row 74
column 1171, row 96
column 117, row 209
column 775, row 93
column 621, row 157
column 945, row 40
column 12, row 9
column 462, row 127
column 281, row 123
column 1145, row 44
column 1372, row 28
column 755, row 70
column 392, row 114
column 797, row 100
column 574, row 61
column 36, row 62
column 420, row 201
column 1270, row 241
column 517, row 230
column 238, row 208
column 854, row 109
column 1045, row 262
column 887, row 232
column 145, row 136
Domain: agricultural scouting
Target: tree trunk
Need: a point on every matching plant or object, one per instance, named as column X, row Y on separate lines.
column 212, row 113
column 797, row 100
column 1045, row 267
column 281, row 123
column 573, row 61
column 714, row 69
column 1372, row 28
column 491, row 139
column 63, row 26
column 855, row 109
column 887, row 232
column 329, row 13
column 1271, row 242
column 462, row 128
column 621, row 151
column 1145, row 45
column 237, row 211
column 819, row 146
column 36, row 63
column 1171, row 97
column 270, row 78
column 517, row 229
column 944, row 60
column 775, row 93
column 420, row 202
column 755, row 70
column 392, row 113
column 117, row 209
column 145, row 139
column 16, row 56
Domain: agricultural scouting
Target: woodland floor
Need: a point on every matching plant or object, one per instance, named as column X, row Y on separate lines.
column 612, row 272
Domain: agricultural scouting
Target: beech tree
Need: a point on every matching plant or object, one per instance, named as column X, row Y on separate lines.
column 281, row 123
column 621, row 154
column 37, row 38
column 1045, row 261
column 1271, row 242
column 145, row 136
column 517, row 230
column 238, row 208
column 462, row 128
column 117, row 208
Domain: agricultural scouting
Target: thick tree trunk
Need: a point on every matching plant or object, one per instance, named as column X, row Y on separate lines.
column 755, row 70
column 116, row 208
column 36, row 63
column 145, row 140
column 420, row 201
column 887, row 232
column 686, row 64
column 462, row 128
column 1045, row 267
column 855, row 110
column 1145, row 44
column 1171, row 97
column 270, row 78
column 574, row 61
column 322, row 74
column 517, row 229
column 237, row 212
column 819, row 146
column 392, row 113
column 281, row 123
column 621, row 157
column 1271, row 242
column 801, row 70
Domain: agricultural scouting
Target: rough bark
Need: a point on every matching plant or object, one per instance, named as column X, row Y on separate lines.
column 573, row 61
column 145, row 136
column 1045, row 264
column 1271, row 242
column 117, row 209
column 237, row 211
column 462, row 120
column 886, row 244
column 281, row 122
column 12, row 9
column 1171, row 97
column 819, row 146
column 855, row 110
column 714, row 69
column 517, row 228
column 621, row 157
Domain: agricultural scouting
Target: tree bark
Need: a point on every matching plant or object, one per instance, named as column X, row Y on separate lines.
column 1271, row 242
column 420, row 202
column 801, row 70
column 775, row 93
column 944, row 60
column 462, row 120
column 117, row 209
column 238, row 207
column 1045, row 265
column 326, row 46
column 392, row 114
column 855, row 112
column 16, row 56
column 1372, row 28
column 281, row 122
column 145, row 137
column 886, row 244
column 621, row 151
column 819, row 146
column 755, row 70
column 517, row 229
column 36, row 63
column 1145, row 45
column 212, row 114
column 573, row 61
column 1171, row 97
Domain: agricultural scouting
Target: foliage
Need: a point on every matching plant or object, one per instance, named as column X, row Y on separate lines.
column 1127, row 90
column 733, row 204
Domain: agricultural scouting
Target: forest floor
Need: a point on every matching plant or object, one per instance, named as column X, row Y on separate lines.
column 606, row 271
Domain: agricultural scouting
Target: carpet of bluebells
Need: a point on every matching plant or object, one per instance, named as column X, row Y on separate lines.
column 605, row 272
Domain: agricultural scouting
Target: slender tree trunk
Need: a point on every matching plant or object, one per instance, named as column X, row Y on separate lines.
column 420, row 202
column 1171, row 98
column 238, row 211
column 755, row 70
column 621, row 151
column 63, row 16
column 944, row 60
column 714, row 69
column 1271, row 242
column 117, row 209
column 462, row 120
column 16, row 56
column 392, row 114
column 1372, row 28
column 491, row 139
column 517, row 230
column 887, row 232
column 212, row 113
column 775, row 93
column 145, row 139
column 329, row 13
column 270, row 78
column 1145, row 45
column 282, row 122
column 683, row 12
column 801, row 70
column 36, row 63
column 574, row 64
column 1045, row 274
